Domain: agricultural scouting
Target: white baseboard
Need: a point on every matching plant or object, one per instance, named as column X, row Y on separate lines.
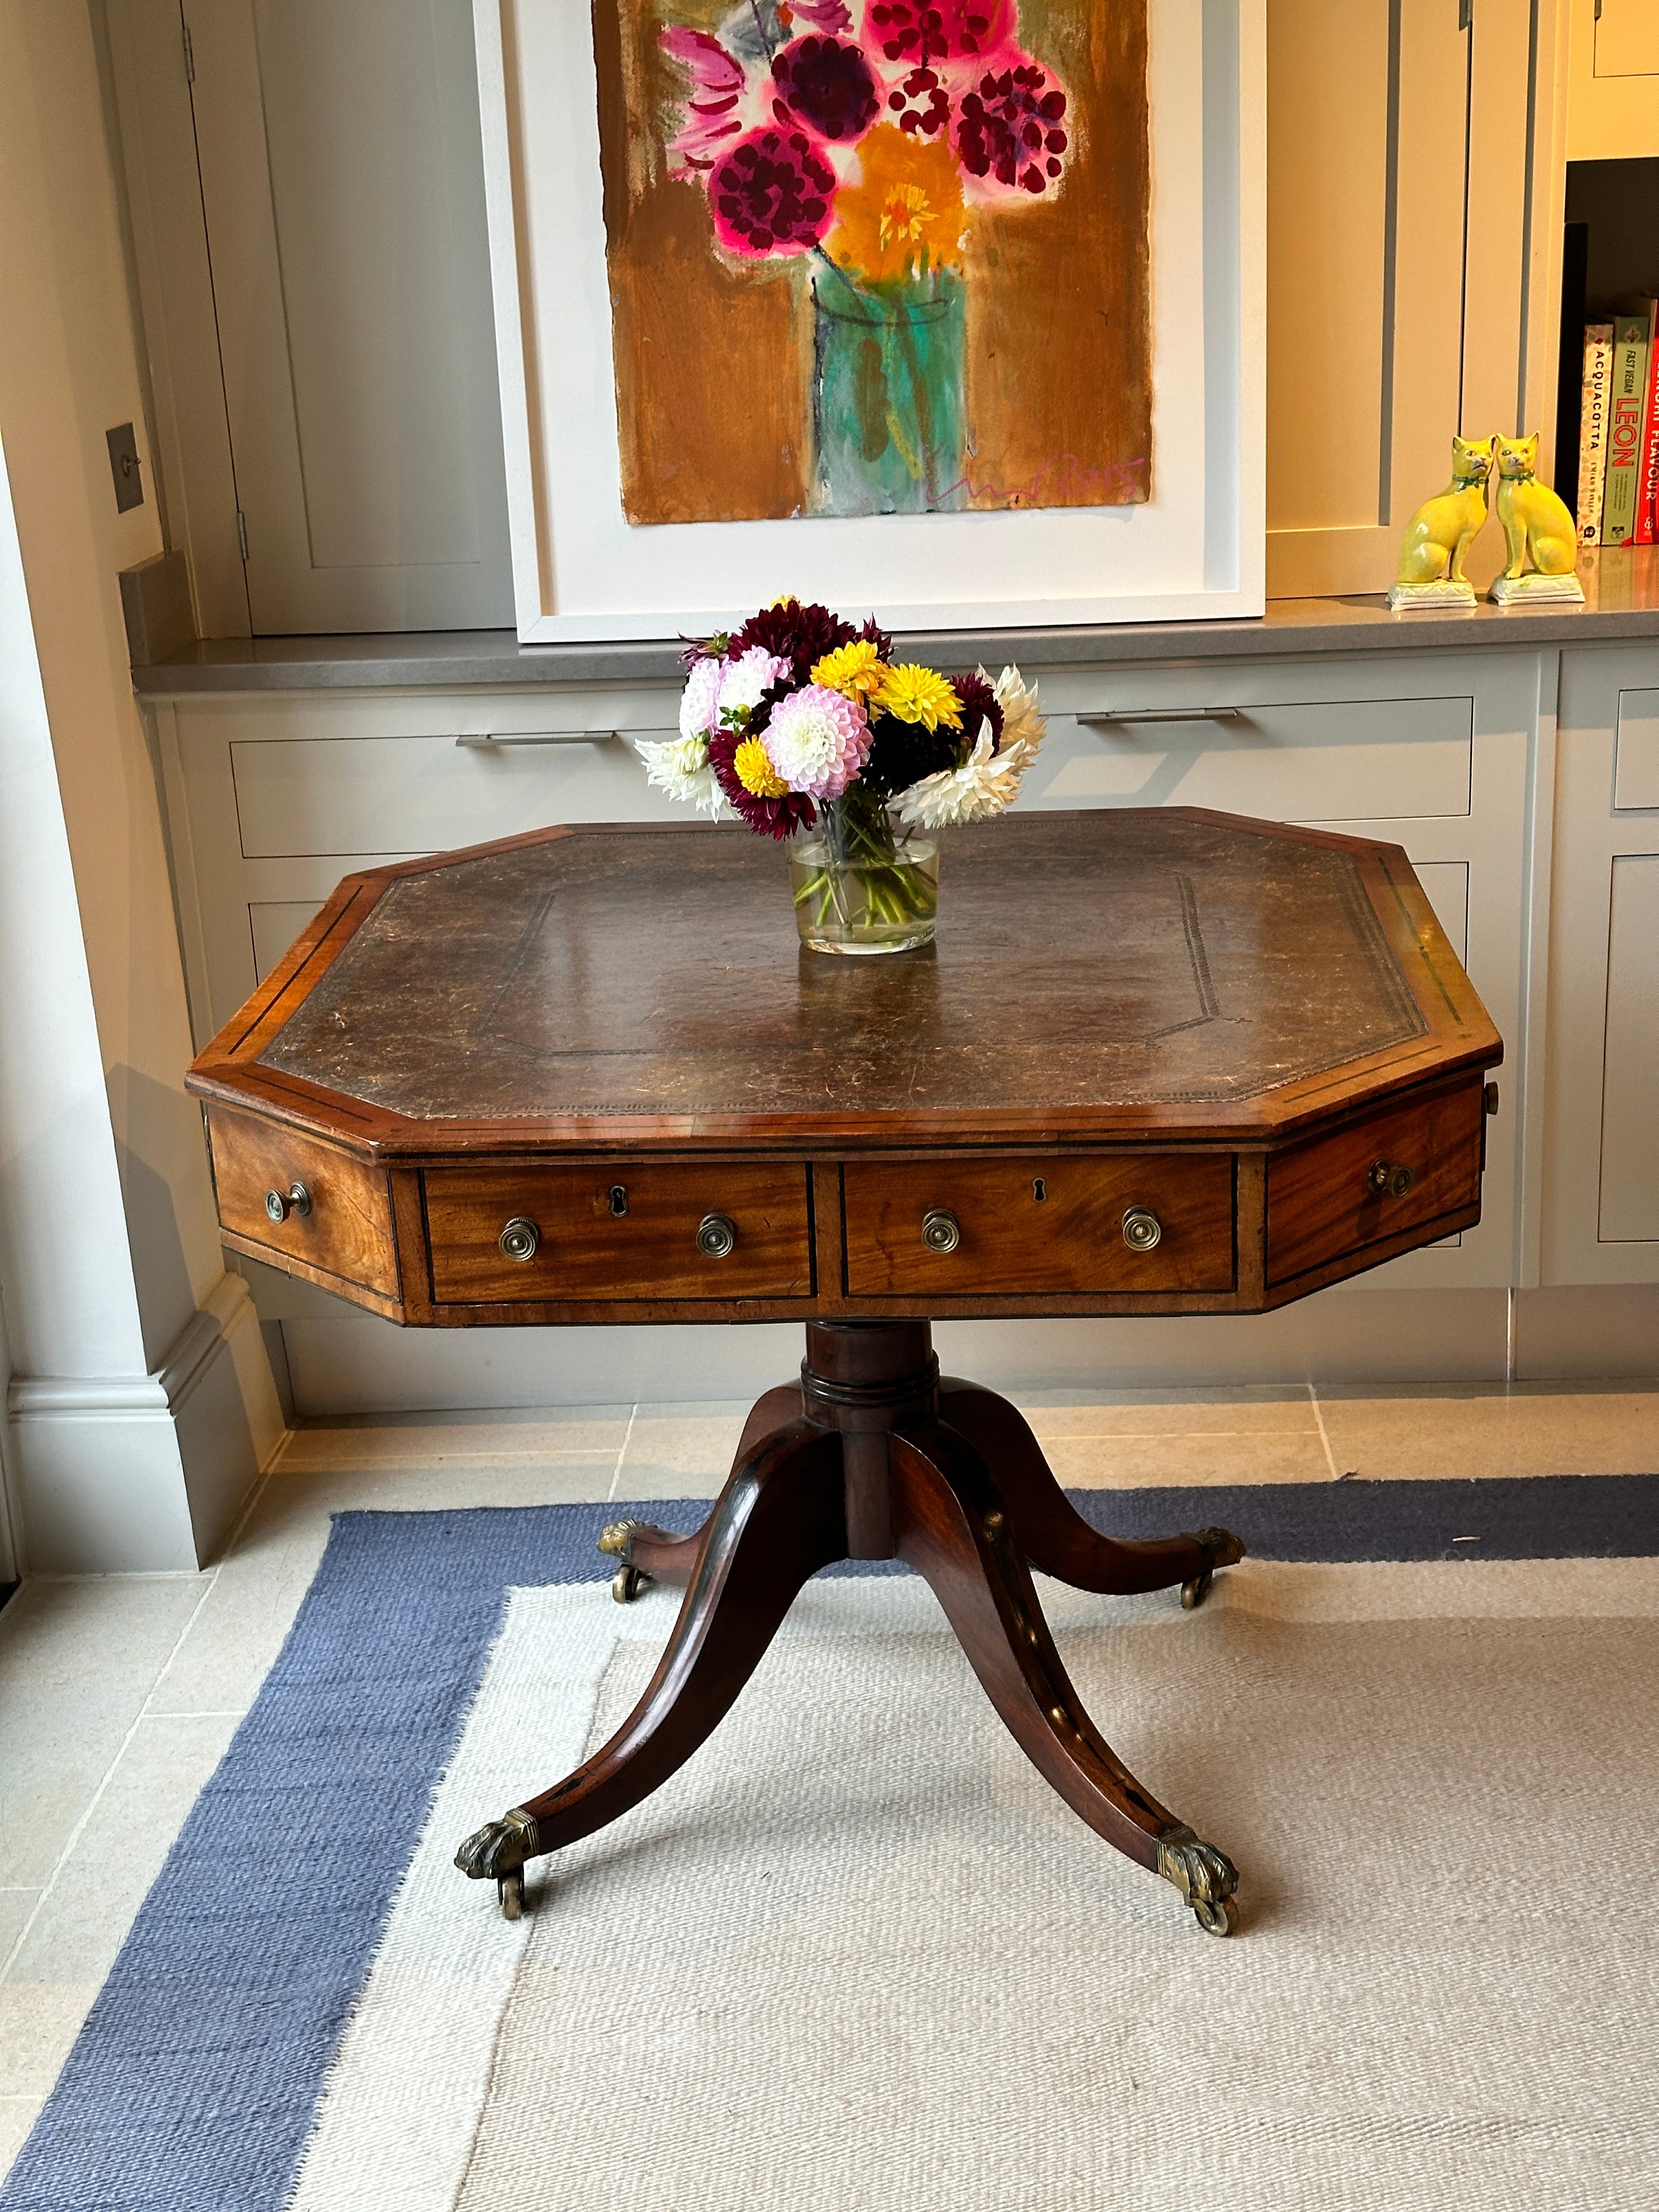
column 358, row 1364
column 123, row 1473
column 1566, row 1333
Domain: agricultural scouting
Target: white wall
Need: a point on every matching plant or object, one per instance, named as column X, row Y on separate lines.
column 116, row 1298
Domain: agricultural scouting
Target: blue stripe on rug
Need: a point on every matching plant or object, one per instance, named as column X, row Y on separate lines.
column 193, row 2085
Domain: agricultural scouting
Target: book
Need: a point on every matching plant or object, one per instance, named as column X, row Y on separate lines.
column 1592, row 429
column 1647, row 488
column 1627, row 408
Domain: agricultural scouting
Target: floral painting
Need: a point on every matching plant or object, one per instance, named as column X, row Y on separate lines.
column 872, row 256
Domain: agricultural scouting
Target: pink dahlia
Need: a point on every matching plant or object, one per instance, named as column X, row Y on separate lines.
column 1009, row 127
column 746, row 675
column 825, row 84
column 918, row 32
column 771, row 192
column 716, row 80
column 817, row 739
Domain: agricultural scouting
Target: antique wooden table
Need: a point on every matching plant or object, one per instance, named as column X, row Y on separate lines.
column 1159, row 1062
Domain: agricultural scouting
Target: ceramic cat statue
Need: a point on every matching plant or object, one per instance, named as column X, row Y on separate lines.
column 1540, row 536
column 1430, row 571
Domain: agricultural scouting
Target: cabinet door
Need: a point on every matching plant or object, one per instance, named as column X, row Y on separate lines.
column 343, row 179
column 1405, row 269
column 1601, row 1167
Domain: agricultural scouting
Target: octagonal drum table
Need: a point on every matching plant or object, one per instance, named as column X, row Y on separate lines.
column 1158, row 1062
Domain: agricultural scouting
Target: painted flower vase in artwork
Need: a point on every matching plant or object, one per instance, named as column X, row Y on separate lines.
column 888, row 408
column 864, row 881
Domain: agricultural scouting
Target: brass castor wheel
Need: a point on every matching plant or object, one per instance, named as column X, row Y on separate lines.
column 617, row 1540
column 510, row 1889
column 627, row 1583
column 496, row 1852
column 1206, row 1877
column 1221, row 1549
column 1217, row 1918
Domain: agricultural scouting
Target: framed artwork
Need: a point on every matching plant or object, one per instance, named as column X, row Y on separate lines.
column 948, row 309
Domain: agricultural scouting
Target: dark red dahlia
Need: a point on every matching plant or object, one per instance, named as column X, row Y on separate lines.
column 923, row 31
column 902, row 753
column 800, row 634
column 919, row 104
column 772, row 192
column 826, row 84
column 770, row 817
column 874, row 634
column 979, row 704
column 1009, row 127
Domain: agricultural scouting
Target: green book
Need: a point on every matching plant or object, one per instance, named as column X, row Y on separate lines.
column 1626, row 419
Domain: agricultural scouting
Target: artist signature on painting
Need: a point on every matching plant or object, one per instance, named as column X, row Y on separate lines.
column 1066, row 481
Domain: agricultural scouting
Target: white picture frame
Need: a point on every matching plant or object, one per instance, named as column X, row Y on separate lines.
column 583, row 574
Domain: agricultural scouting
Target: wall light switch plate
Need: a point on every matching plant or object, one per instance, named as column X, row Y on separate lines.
column 124, row 468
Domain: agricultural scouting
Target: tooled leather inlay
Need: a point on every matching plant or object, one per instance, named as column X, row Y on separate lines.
column 1103, row 960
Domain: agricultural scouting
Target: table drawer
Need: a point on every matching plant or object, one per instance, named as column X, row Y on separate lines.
column 619, row 1231
column 346, row 1230
column 1323, row 1199
column 1025, row 1227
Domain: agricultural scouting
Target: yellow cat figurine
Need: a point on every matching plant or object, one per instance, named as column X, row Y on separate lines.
column 1539, row 533
column 1438, row 534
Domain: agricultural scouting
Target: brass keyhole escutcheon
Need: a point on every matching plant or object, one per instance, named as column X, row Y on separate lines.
column 296, row 1198
column 520, row 1240
column 1039, row 1189
column 618, row 1198
column 717, row 1236
column 1388, row 1179
column 940, row 1229
column 1142, row 1228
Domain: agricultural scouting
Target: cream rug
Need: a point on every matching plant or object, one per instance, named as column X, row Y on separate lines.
column 857, row 1955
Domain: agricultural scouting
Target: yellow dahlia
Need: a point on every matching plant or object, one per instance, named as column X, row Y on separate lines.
column 920, row 694
column 856, row 671
column 754, row 771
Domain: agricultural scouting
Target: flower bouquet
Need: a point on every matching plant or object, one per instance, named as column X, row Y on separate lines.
column 807, row 728
column 858, row 141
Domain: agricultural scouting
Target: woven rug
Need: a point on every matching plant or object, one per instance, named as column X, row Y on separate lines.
column 857, row 1954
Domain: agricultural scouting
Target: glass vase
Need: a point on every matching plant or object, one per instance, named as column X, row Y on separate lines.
column 864, row 881
column 888, row 412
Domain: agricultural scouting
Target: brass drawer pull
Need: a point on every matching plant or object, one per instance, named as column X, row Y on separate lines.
column 1142, row 1228
column 520, row 1239
column 1386, row 1180
column 940, row 1230
column 717, row 1236
column 296, row 1200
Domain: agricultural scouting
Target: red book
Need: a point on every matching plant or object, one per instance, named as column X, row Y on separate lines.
column 1647, row 490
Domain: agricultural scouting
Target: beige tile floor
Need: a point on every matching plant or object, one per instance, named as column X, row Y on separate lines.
column 118, row 1695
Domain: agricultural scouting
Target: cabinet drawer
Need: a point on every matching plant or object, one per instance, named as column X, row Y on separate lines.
column 1322, row 1202
column 619, row 1231
column 348, row 1230
column 1024, row 1227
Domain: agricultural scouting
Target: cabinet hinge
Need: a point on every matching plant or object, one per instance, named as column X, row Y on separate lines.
column 242, row 534
column 189, row 56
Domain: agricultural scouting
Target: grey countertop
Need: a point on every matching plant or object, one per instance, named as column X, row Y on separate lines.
column 1621, row 602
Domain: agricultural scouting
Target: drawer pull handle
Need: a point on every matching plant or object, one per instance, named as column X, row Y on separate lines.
column 1142, row 1228
column 1387, row 1179
column 1105, row 720
column 296, row 1200
column 717, row 1236
column 476, row 741
column 940, row 1230
column 520, row 1239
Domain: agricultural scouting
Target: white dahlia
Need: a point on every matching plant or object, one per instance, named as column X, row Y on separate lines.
column 700, row 701
column 744, row 678
column 988, row 783
column 1023, row 718
column 680, row 766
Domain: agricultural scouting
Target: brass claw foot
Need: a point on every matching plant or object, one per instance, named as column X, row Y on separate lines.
column 617, row 1538
column 1206, row 1877
column 498, row 1851
column 1222, row 1549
